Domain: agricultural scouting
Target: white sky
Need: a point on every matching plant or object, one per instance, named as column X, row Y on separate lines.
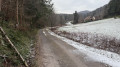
column 70, row 6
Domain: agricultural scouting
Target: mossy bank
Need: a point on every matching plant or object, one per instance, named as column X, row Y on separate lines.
column 23, row 41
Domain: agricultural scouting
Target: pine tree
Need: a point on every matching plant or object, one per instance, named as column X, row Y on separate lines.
column 76, row 17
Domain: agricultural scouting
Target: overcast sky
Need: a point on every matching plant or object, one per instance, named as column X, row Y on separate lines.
column 70, row 6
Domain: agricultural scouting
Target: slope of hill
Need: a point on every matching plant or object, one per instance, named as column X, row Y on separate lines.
column 83, row 15
column 99, row 13
column 83, row 12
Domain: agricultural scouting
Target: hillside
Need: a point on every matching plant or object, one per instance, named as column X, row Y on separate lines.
column 99, row 13
column 83, row 15
column 84, row 12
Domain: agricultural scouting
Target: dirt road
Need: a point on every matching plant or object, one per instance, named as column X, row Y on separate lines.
column 53, row 52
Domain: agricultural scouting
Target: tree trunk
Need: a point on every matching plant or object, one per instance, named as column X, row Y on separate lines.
column 21, row 13
column 17, row 20
column 0, row 4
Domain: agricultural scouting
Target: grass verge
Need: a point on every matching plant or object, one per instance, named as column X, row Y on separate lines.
column 22, row 41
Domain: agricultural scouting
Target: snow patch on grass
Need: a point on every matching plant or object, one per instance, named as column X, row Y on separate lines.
column 98, row 55
column 69, row 23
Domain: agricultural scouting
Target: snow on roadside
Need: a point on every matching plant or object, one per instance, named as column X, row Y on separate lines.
column 108, row 27
column 98, row 55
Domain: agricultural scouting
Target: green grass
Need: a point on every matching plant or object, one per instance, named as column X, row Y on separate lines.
column 21, row 39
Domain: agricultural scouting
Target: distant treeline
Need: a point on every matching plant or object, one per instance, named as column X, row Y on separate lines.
column 111, row 9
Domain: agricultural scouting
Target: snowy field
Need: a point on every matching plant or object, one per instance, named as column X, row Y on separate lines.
column 102, row 34
column 98, row 55
column 109, row 27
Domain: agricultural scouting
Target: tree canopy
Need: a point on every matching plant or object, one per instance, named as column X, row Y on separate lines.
column 27, row 13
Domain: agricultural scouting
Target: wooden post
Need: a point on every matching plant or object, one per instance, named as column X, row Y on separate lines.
column 25, row 63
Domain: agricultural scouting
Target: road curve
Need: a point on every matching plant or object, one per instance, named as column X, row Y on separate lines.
column 53, row 52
